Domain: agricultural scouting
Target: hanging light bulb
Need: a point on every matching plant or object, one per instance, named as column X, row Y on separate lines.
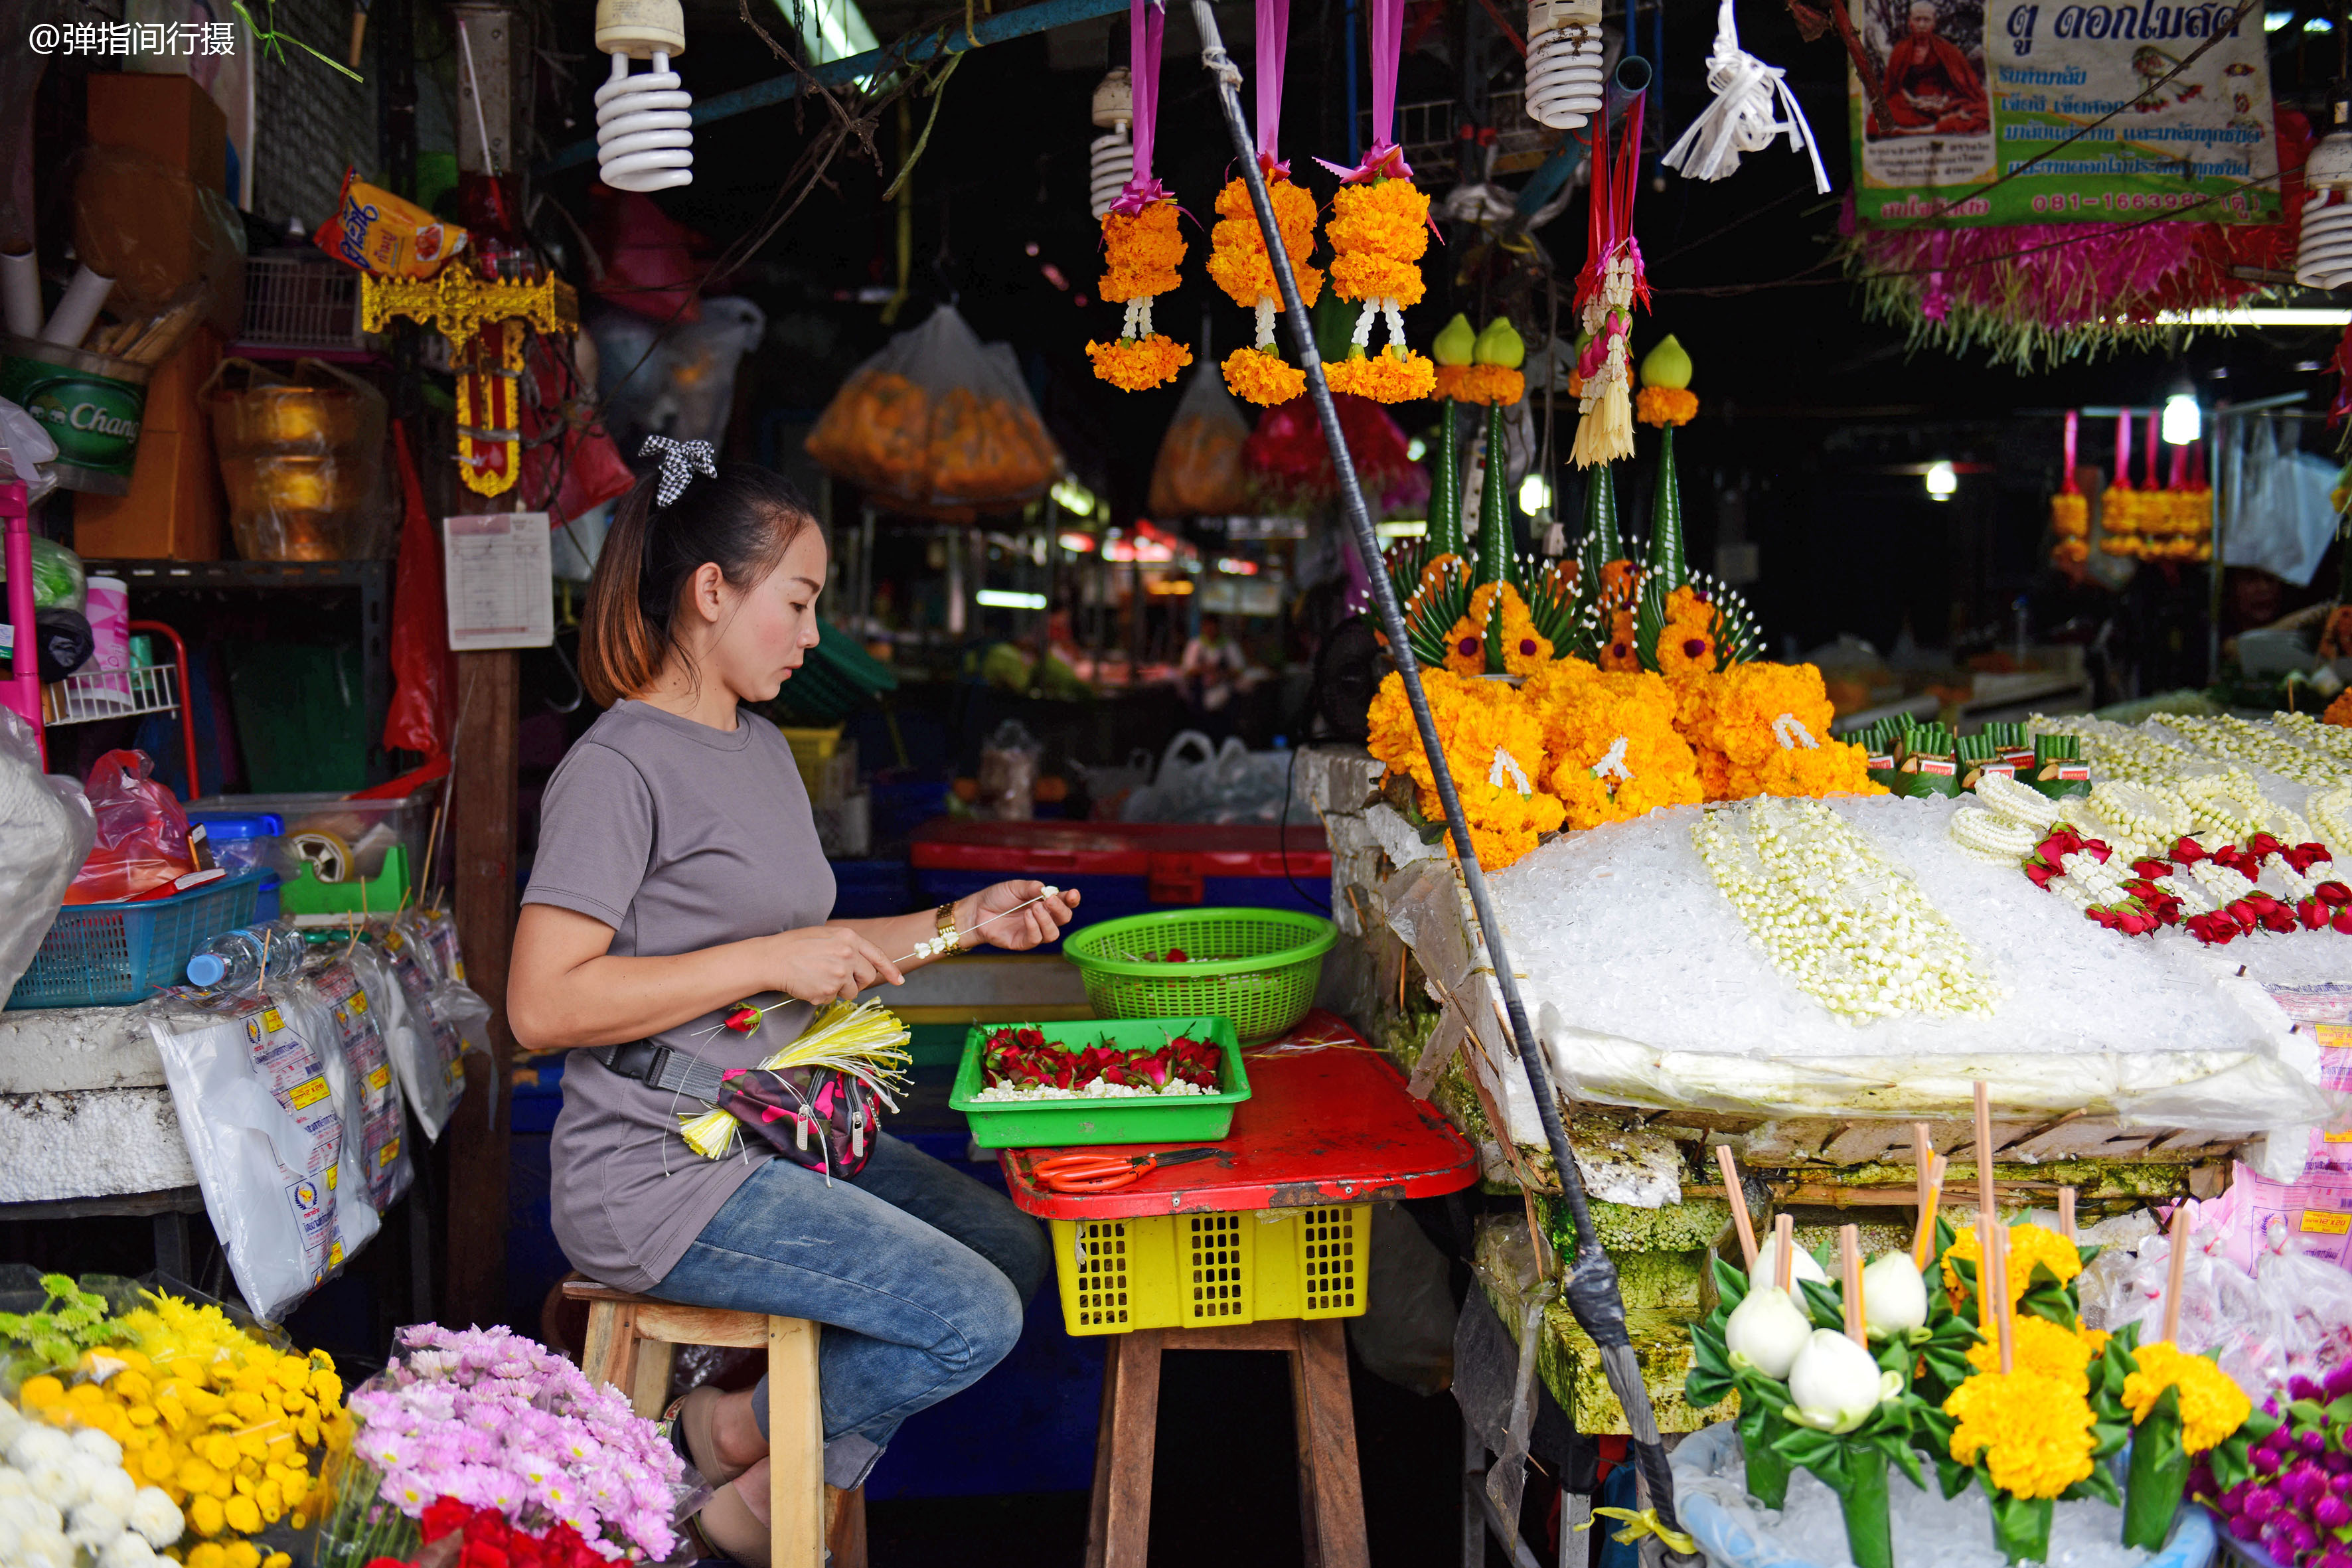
column 2182, row 420
column 645, row 135
column 1563, row 88
column 1943, row 481
column 2322, row 257
column 1111, row 162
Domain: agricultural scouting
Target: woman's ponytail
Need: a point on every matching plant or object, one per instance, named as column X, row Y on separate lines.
column 742, row 520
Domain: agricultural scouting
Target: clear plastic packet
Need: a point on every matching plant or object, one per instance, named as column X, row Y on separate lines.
column 939, row 423
column 2291, row 1317
column 45, row 831
column 266, row 1135
column 1199, row 472
column 1008, row 774
column 155, row 231
column 427, row 1054
column 375, row 1117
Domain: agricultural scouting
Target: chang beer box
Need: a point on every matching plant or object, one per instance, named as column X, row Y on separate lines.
column 89, row 404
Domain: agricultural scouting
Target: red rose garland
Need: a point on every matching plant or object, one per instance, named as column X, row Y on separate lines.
column 2158, row 891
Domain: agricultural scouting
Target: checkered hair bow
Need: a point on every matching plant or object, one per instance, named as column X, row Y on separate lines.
column 680, row 462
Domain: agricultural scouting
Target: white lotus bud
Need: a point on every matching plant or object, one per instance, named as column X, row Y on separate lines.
column 1768, row 1264
column 1894, row 1297
column 1767, row 1330
column 1835, row 1386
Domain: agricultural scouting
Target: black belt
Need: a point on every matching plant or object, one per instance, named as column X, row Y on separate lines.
column 661, row 1066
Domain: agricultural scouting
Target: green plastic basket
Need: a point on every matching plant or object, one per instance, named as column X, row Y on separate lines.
column 1059, row 1123
column 1256, row 967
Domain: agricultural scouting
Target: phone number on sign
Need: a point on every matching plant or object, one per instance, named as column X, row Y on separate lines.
column 2136, row 201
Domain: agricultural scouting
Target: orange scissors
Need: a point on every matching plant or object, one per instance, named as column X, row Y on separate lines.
column 1106, row 1173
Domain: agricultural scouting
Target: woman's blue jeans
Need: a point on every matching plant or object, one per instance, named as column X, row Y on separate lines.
column 919, row 1273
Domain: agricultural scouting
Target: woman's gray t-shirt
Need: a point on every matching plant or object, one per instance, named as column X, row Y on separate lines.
column 680, row 836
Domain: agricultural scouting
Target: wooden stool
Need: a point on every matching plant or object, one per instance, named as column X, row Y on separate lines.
column 631, row 1341
column 1330, row 1491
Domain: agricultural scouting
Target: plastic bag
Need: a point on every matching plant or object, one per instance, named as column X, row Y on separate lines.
column 1198, row 471
column 1008, row 774
column 1201, row 781
column 302, row 457
column 581, row 469
column 266, row 1135
column 440, row 1020
column 683, row 384
column 939, row 423
column 349, row 1025
column 57, row 580
column 422, row 670
column 2291, row 1317
column 142, row 834
column 25, row 451
column 154, row 231
column 45, row 832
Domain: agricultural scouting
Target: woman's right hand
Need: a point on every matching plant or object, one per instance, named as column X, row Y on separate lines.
column 825, row 963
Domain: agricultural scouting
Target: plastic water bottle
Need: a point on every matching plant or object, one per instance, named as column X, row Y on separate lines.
column 236, row 960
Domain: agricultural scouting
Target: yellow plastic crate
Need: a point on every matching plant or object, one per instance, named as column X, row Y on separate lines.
column 1197, row 1270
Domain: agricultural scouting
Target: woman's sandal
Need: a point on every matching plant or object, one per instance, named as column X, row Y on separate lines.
column 688, row 1423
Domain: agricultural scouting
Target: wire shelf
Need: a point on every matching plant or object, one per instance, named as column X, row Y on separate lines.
column 300, row 302
column 95, row 694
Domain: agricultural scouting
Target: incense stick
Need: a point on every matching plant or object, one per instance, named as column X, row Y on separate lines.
column 2066, row 1214
column 1784, row 1234
column 1984, row 1148
column 1999, row 1294
column 1850, row 1264
column 1923, row 1241
column 2172, row 1273
column 1739, row 1198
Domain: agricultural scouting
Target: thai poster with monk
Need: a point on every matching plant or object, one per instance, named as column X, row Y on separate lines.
column 1974, row 90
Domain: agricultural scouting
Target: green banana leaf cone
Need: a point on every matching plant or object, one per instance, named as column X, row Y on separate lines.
column 2159, row 1475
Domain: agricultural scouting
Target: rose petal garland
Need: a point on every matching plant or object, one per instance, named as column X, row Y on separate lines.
column 1611, row 283
column 1141, row 244
column 1238, row 262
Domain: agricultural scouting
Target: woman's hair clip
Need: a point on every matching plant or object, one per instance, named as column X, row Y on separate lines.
column 680, row 462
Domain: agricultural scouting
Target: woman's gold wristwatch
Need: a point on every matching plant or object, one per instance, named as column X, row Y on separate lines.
column 950, row 938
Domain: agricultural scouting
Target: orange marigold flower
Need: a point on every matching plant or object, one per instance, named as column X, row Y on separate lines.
column 1449, row 379
column 1665, row 405
column 1686, row 648
column 2339, row 711
column 1379, row 233
column 1136, row 364
column 1491, row 384
column 1387, row 376
column 1621, row 653
column 1525, row 650
column 1376, row 277
column 1237, row 259
column 1140, row 253
column 1256, row 376
column 1618, row 580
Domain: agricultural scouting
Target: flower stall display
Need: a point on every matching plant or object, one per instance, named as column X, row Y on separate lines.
column 1379, row 231
column 464, row 1424
column 144, row 1422
column 1141, row 244
column 1238, row 262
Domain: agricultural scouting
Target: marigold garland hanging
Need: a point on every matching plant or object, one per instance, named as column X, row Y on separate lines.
column 1141, row 244
column 1238, row 262
column 1379, row 232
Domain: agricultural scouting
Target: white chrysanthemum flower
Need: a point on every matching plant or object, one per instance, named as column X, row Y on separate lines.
column 58, row 1483
column 11, row 1422
column 37, row 1445
column 157, row 1517
column 8, row 1542
column 113, row 1487
column 42, row 1547
column 28, row 1511
column 129, row 1549
column 13, row 1482
column 93, row 1525
column 98, row 1446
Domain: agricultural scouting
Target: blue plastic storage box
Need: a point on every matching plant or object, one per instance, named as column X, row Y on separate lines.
column 111, row 955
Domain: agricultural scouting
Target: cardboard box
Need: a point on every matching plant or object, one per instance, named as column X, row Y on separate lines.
column 177, row 507
column 169, row 118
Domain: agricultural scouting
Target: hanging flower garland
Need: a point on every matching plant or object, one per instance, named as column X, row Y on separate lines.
column 2070, row 508
column 1141, row 244
column 1238, row 262
column 1379, row 232
column 1611, row 285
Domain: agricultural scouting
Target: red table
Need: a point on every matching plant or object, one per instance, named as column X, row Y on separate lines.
column 1328, row 1120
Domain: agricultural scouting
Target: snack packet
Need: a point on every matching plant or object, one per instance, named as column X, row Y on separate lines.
column 378, row 232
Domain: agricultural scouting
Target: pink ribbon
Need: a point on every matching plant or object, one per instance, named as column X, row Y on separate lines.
column 1384, row 160
column 1273, row 43
column 1146, row 21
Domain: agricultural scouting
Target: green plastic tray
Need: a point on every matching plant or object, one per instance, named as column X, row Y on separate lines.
column 1048, row 1124
column 1257, row 968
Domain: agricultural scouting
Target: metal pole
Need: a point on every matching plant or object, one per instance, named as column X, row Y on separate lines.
column 1591, row 1286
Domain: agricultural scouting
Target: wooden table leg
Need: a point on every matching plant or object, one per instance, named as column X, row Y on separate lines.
column 844, row 1527
column 1106, row 1428
column 1135, row 1431
column 1326, row 1414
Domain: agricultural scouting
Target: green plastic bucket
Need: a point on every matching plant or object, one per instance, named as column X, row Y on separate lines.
column 1139, row 1119
column 90, row 404
column 1256, row 967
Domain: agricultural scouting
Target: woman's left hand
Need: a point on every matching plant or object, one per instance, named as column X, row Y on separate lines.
column 1041, row 921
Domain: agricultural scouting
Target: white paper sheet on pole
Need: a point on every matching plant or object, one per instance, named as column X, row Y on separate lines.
column 499, row 577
